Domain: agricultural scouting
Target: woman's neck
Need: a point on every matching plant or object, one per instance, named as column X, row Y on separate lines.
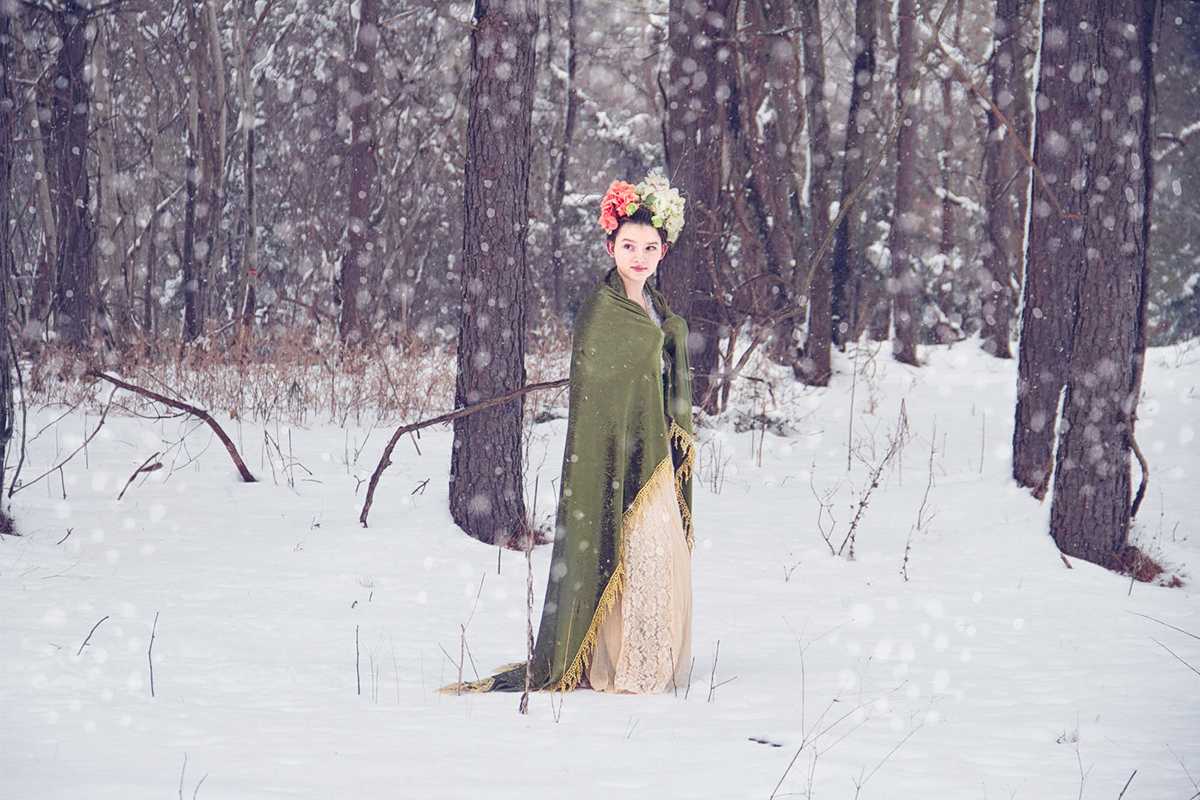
column 635, row 291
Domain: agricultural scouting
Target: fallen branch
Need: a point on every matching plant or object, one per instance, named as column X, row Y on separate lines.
column 385, row 461
column 181, row 406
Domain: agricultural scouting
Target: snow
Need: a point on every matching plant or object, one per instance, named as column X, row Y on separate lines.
column 993, row 670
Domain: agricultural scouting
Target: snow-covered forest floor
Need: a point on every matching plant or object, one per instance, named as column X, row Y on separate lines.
column 201, row 637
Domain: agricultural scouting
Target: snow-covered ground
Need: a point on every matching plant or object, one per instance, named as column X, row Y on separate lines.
column 296, row 654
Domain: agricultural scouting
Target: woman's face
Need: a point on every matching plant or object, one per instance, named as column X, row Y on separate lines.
column 637, row 249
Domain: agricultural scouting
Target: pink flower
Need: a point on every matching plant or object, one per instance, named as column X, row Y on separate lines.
column 621, row 200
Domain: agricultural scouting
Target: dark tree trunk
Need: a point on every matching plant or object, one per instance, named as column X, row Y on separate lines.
column 767, row 65
column 1007, row 180
column 906, row 221
column 8, row 121
column 697, row 92
column 193, row 310
column 352, row 287
column 814, row 367
column 846, row 262
column 946, row 329
column 559, row 188
column 486, row 471
column 1089, row 516
column 74, row 300
column 1056, row 244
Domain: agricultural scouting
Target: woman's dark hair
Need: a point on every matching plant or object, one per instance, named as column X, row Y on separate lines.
column 643, row 216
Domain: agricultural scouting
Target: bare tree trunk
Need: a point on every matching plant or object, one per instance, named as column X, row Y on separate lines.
column 814, row 368
column 8, row 122
column 944, row 331
column 248, row 111
column 906, row 220
column 74, row 300
column 846, row 262
column 773, row 236
column 46, row 267
column 697, row 77
column 1090, row 513
column 193, row 324
column 487, row 493
column 217, row 121
column 1055, row 246
column 352, row 285
column 113, row 297
column 559, row 187
column 1007, row 182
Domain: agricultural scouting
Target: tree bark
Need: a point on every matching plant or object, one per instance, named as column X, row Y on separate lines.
column 193, row 309
column 74, row 300
column 1056, row 240
column 486, row 470
column 814, row 367
column 697, row 92
column 767, row 208
column 906, row 221
column 1006, row 182
column 1090, row 512
column 559, row 188
column 216, row 127
column 8, row 122
column 352, row 288
column 846, row 261
column 113, row 294
column 45, row 270
column 249, row 114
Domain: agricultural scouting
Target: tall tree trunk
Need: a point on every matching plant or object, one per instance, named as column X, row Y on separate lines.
column 486, row 469
column 249, row 112
column 1090, row 512
column 768, row 120
column 74, row 301
column 352, row 287
column 1007, row 181
column 906, row 221
column 944, row 330
column 8, row 123
column 696, row 95
column 192, row 321
column 559, row 188
column 846, row 261
column 1056, row 243
column 217, row 121
column 113, row 297
column 814, row 368
column 46, row 266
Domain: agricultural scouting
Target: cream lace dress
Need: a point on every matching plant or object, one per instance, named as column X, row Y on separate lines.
column 644, row 644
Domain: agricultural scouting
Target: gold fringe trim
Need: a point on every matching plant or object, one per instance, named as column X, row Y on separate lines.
column 688, row 446
column 632, row 516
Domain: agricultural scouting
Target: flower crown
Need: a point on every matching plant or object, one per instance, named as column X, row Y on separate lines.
column 655, row 193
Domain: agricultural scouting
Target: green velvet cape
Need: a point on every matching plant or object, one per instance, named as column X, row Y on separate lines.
column 627, row 420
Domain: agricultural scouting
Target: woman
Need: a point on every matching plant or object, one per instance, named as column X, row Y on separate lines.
column 617, row 613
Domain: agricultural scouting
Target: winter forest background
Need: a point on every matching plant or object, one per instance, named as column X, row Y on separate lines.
column 941, row 271
column 328, row 189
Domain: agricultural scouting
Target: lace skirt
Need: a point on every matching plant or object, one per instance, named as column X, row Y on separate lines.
column 644, row 644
